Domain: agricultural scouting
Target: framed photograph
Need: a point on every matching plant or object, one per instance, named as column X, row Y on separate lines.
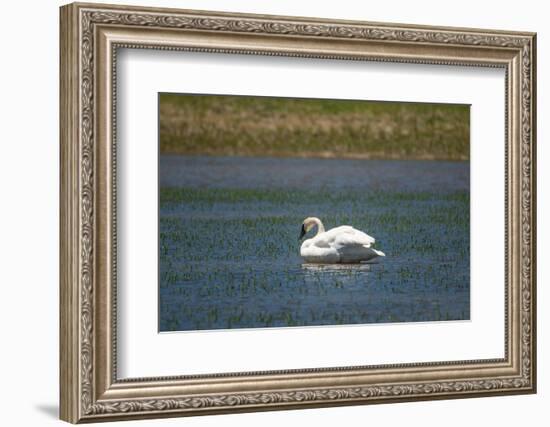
column 266, row 212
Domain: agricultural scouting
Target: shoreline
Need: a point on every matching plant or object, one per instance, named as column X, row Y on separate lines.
column 329, row 155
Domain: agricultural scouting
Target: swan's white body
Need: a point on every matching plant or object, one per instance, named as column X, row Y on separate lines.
column 342, row 244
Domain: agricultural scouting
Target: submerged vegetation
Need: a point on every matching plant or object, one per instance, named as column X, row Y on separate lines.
column 263, row 126
column 229, row 258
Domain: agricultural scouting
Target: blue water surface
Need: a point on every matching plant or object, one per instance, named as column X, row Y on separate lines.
column 229, row 250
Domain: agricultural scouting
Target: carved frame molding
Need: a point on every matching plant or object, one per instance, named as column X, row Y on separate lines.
column 90, row 36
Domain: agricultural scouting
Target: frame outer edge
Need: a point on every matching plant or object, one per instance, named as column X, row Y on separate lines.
column 533, row 111
column 77, row 225
column 69, row 354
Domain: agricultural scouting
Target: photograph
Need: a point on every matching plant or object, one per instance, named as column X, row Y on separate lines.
column 298, row 212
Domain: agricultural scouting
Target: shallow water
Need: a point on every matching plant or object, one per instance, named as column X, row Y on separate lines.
column 313, row 174
column 229, row 250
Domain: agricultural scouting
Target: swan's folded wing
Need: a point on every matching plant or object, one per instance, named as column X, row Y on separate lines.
column 352, row 237
column 322, row 241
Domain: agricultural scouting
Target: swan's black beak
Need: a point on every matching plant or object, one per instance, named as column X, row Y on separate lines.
column 302, row 232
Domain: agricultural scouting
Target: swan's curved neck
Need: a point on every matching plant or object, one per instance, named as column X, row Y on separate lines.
column 320, row 226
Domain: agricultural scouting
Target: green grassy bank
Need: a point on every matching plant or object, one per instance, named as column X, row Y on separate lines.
column 261, row 126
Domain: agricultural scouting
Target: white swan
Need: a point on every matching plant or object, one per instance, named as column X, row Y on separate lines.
column 342, row 244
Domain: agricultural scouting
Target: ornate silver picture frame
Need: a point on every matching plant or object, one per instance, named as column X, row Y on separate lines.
column 90, row 388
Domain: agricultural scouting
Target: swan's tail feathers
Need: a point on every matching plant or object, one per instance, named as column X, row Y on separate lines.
column 376, row 251
column 379, row 253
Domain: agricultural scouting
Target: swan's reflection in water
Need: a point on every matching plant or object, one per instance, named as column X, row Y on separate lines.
column 336, row 268
column 342, row 274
